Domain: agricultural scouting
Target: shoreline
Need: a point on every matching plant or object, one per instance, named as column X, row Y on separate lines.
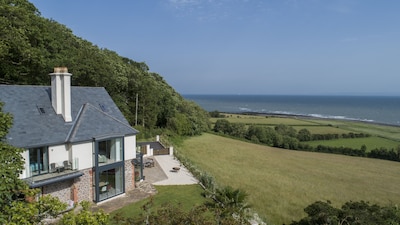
column 287, row 115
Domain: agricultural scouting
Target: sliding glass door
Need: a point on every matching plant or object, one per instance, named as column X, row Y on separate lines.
column 38, row 161
column 110, row 183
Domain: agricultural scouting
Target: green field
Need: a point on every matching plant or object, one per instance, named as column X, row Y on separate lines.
column 382, row 135
column 281, row 183
column 264, row 120
column 356, row 143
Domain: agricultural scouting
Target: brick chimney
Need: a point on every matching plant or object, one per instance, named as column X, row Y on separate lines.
column 61, row 92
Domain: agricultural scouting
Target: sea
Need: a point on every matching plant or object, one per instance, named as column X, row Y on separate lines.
column 374, row 109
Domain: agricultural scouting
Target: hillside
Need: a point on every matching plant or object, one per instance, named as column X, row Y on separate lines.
column 281, row 183
column 30, row 46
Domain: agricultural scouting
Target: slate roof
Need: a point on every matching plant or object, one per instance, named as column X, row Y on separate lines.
column 35, row 123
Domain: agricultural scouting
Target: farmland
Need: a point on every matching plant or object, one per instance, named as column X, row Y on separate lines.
column 281, row 183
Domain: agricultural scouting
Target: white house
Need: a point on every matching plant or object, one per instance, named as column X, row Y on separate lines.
column 78, row 145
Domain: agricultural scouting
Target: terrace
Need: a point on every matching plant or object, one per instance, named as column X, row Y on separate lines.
column 57, row 172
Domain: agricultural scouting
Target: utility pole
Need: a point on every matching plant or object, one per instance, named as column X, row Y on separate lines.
column 137, row 97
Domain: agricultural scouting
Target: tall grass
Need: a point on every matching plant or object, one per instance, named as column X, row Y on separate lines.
column 281, row 183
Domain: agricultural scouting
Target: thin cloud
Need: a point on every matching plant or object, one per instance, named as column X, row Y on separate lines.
column 343, row 6
column 212, row 10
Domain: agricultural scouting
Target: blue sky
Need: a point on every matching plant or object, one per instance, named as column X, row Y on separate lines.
column 307, row 47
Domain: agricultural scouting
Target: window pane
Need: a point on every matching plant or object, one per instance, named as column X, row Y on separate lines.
column 110, row 183
column 110, row 151
column 38, row 161
column 33, row 161
column 44, row 160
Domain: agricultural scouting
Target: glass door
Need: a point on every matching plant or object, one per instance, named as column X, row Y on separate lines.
column 111, row 183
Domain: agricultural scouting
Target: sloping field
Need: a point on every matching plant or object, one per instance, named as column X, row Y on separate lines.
column 264, row 120
column 316, row 125
column 281, row 183
column 356, row 143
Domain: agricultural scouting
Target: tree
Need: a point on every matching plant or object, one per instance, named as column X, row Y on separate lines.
column 231, row 203
column 11, row 164
column 350, row 213
column 30, row 46
column 223, row 126
column 215, row 114
column 283, row 129
column 304, row 135
column 13, row 191
column 238, row 130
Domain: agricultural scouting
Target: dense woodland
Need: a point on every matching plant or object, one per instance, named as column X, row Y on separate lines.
column 31, row 46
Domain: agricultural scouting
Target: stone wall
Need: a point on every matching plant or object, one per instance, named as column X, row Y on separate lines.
column 62, row 190
column 84, row 186
column 129, row 175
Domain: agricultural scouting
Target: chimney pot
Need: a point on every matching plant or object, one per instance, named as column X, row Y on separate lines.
column 60, row 70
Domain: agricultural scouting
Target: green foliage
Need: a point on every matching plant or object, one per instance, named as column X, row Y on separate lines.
column 186, row 196
column 283, row 129
column 284, row 136
column 216, row 114
column 223, row 126
column 176, row 213
column 229, row 202
column 85, row 217
column 11, row 164
column 5, row 122
column 304, row 135
column 350, row 213
column 13, row 191
column 32, row 212
column 30, row 46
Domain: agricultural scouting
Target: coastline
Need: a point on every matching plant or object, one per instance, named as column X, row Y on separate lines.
column 295, row 116
column 369, row 109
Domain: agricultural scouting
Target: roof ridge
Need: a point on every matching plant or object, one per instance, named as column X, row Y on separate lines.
column 108, row 115
column 80, row 114
column 75, row 126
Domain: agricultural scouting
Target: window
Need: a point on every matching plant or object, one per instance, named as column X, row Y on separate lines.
column 111, row 183
column 38, row 161
column 110, row 151
column 109, row 170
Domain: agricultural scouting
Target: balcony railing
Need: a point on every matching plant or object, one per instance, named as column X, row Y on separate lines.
column 56, row 169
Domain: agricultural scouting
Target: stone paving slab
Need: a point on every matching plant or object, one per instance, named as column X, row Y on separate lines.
column 180, row 177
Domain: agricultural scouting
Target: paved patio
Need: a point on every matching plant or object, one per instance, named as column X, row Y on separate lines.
column 180, row 177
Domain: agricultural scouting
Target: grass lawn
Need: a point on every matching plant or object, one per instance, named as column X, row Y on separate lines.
column 281, row 183
column 186, row 195
column 356, row 143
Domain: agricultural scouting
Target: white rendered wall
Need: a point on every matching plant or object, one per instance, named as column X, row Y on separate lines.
column 130, row 147
column 26, row 171
column 58, row 154
column 84, row 153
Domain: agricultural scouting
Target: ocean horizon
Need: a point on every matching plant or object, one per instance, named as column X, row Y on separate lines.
column 374, row 109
